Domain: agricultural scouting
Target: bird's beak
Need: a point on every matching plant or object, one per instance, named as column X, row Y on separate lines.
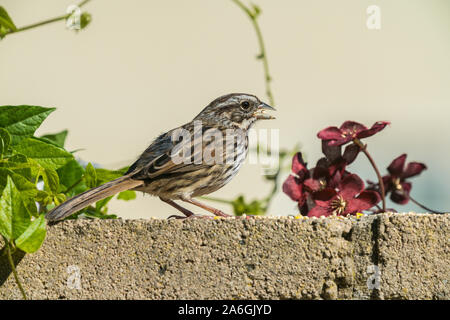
column 260, row 112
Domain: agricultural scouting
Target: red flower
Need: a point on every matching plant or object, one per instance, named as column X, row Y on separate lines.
column 349, row 131
column 294, row 184
column 328, row 173
column 330, row 169
column 334, row 160
column 349, row 199
column 396, row 183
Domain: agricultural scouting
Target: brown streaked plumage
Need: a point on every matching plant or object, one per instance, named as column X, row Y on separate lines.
column 174, row 167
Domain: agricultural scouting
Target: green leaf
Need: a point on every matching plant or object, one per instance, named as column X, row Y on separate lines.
column 6, row 23
column 90, row 212
column 51, row 180
column 105, row 175
column 19, row 158
column 70, row 174
column 44, row 198
column 22, row 121
column 59, row 198
column 5, row 20
column 46, row 155
column 57, row 139
column 90, row 176
column 19, row 164
column 30, row 206
column 25, row 187
column 85, row 19
column 33, row 237
column 5, row 141
column 6, row 210
column 100, row 206
column 127, row 195
column 98, row 212
column 240, row 206
column 14, row 218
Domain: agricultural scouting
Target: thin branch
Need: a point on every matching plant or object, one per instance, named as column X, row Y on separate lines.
column 274, row 190
column 267, row 79
column 363, row 148
column 13, row 268
column 217, row 200
column 263, row 55
column 424, row 207
column 38, row 24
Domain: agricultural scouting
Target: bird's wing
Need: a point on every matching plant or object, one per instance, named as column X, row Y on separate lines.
column 166, row 157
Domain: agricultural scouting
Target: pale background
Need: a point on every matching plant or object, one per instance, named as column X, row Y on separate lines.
column 143, row 67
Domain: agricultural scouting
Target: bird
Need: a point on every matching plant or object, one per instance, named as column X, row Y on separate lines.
column 189, row 161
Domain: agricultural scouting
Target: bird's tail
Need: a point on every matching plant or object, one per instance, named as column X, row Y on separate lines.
column 90, row 196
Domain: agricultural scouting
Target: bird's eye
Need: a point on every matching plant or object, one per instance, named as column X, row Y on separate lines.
column 245, row 105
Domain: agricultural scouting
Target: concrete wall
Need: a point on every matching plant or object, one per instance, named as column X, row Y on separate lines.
column 261, row 258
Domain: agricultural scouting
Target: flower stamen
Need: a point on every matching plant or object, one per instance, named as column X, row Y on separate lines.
column 338, row 205
column 397, row 184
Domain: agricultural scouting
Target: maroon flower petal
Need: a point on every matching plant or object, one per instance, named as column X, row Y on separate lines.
column 397, row 165
column 337, row 166
column 352, row 127
column 407, row 186
column 330, row 133
column 402, row 196
column 350, row 186
column 312, row 184
column 303, row 208
column 365, row 201
column 324, row 197
column 332, row 153
column 387, row 183
column 335, row 180
column 299, row 165
column 341, row 141
column 322, row 162
column 293, row 188
column 319, row 211
column 321, row 169
column 351, row 152
column 413, row 169
column 377, row 127
column 302, row 199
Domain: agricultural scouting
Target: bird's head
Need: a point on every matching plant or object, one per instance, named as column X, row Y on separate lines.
column 235, row 110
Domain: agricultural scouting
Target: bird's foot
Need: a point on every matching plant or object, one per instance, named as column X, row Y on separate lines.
column 220, row 213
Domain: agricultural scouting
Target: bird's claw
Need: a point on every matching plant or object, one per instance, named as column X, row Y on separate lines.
column 222, row 214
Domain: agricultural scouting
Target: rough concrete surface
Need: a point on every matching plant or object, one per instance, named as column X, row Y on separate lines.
column 386, row 256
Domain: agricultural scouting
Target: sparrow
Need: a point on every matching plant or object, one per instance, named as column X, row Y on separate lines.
column 195, row 159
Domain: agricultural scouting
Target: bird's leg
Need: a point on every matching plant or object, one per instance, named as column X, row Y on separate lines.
column 214, row 211
column 186, row 212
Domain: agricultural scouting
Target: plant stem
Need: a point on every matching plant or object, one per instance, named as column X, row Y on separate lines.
column 363, row 148
column 267, row 78
column 217, row 200
column 424, row 207
column 13, row 268
column 263, row 54
column 274, row 190
column 38, row 24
